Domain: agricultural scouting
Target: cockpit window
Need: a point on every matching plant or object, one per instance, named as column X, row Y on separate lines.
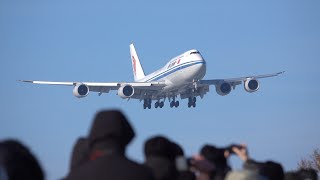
column 195, row 52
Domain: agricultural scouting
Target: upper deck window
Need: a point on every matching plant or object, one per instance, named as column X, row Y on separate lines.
column 195, row 52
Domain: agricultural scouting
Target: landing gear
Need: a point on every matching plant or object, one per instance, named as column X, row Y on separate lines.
column 174, row 103
column 192, row 102
column 158, row 104
column 147, row 103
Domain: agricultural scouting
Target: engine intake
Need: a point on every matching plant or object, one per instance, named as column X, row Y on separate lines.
column 80, row 90
column 251, row 85
column 125, row 91
column 223, row 88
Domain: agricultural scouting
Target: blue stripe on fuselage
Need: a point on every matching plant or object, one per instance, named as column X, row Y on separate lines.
column 174, row 69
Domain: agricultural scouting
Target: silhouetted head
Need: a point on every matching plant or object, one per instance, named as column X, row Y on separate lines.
column 181, row 163
column 272, row 170
column 217, row 158
column 214, row 155
column 177, row 149
column 160, row 146
column 112, row 128
column 292, row 176
column 160, row 157
column 308, row 174
column 302, row 174
column 80, row 153
column 18, row 162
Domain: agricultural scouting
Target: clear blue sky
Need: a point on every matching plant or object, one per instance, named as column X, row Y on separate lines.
column 89, row 41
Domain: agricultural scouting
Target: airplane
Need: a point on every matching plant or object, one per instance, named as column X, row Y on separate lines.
column 182, row 75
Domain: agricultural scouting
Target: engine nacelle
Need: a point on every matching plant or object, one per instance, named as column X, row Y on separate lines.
column 223, row 88
column 251, row 85
column 80, row 90
column 125, row 91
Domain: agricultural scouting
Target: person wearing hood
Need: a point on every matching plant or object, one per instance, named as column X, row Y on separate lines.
column 108, row 137
column 80, row 153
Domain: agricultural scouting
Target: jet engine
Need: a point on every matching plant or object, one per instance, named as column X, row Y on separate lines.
column 80, row 90
column 223, row 88
column 251, row 85
column 125, row 91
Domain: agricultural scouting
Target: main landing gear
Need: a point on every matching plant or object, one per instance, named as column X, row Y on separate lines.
column 174, row 103
column 192, row 101
column 147, row 104
column 159, row 104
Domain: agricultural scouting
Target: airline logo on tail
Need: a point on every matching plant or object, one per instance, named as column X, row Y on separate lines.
column 134, row 65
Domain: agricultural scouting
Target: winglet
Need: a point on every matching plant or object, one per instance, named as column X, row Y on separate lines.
column 138, row 72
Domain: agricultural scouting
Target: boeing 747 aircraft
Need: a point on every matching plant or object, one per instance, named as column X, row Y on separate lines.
column 182, row 76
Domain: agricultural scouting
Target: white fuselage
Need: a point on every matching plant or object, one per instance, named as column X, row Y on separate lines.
column 179, row 71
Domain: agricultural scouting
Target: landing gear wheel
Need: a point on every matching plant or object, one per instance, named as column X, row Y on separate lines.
column 171, row 104
column 157, row 104
column 161, row 104
column 147, row 103
column 176, row 104
column 192, row 102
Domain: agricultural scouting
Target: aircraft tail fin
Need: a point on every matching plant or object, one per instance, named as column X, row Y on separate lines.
column 138, row 72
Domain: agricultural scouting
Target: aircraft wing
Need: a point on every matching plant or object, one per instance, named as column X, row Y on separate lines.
column 236, row 81
column 105, row 87
column 223, row 86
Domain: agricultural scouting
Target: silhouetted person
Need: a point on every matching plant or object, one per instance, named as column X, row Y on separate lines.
column 309, row 174
column 272, row 170
column 17, row 162
column 292, row 176
column 269, row 169
column 302, row 174
column 160, row 157
column 108, row 137
column 181, row 163
column 217, row 156
column 80, row 153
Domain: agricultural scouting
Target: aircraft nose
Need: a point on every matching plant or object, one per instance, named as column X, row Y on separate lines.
column 203, row 63
column 201, row 69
